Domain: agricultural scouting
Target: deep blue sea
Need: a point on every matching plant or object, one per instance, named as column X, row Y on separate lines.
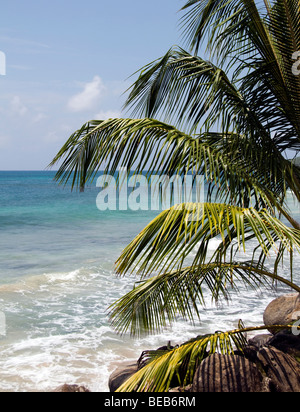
column 57, row 280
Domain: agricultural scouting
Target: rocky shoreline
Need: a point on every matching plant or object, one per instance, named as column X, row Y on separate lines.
column 270, row 362
column 264, row 368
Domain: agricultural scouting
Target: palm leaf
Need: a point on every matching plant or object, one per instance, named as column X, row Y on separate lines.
column 223, row 160
column 170, row 238
column 259, row 42
column 119, row 143
column 157, row 302
column 187, row 89
column 191, row 90
column 182, row 362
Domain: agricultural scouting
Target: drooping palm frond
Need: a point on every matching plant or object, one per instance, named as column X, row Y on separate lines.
column 272, row 87
column 117, row 143
column 181, row 362
column 170, row 238
column 188, row 90
column 192, row 91
column 156, row 303
column 147, row 144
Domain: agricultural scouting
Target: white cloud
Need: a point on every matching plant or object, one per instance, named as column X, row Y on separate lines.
column 17, row 106
column 39, row 117
column 109, row 114
column 89, row 97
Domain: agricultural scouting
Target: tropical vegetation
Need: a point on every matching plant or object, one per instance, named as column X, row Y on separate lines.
column 226, row 107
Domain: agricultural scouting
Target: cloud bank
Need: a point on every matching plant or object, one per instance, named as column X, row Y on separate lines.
column 89, row 97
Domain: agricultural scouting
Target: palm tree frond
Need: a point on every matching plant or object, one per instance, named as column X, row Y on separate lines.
column 117, row 143
column 171, row 237
column 157, row 302
column 182, row 362
column 187, row 89
column 156, row 146
column 257, row 39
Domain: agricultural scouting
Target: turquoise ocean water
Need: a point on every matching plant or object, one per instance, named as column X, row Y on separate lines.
column 57, row 280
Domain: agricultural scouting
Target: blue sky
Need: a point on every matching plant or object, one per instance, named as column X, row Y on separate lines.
column 67, row 62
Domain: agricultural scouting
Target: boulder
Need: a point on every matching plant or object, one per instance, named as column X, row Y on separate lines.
column 259, row 341
column 286, row 343
column 71, row 389
column 282, row 370
column 284, row 310
column 121, row 375
column 227, row 373
column 180, row 389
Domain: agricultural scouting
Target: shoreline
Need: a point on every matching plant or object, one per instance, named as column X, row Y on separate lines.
column 267, row 362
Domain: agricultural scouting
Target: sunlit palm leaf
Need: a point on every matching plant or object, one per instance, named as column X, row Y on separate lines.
column 188, row 88
column 182, row 362
column 170, row 238
column 119, row 143
column 157, row 302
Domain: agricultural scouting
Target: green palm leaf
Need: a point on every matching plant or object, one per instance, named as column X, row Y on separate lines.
column 156, row 303
column 258, row 42
column 191, row 90
column 187, row 89
column 119, row 143
column 170, row 238
column 223, row 160
column 239, row 111
column 182, row 362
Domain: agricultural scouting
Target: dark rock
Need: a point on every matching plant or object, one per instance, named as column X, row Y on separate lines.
column 284, row 310
column 259, row 341
column 282, row 370
column 227, row 373
column 250, row 353
column 166, row 347
column 71, row 389
column 121, row 375
column 287, row 343
column 179, row 389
